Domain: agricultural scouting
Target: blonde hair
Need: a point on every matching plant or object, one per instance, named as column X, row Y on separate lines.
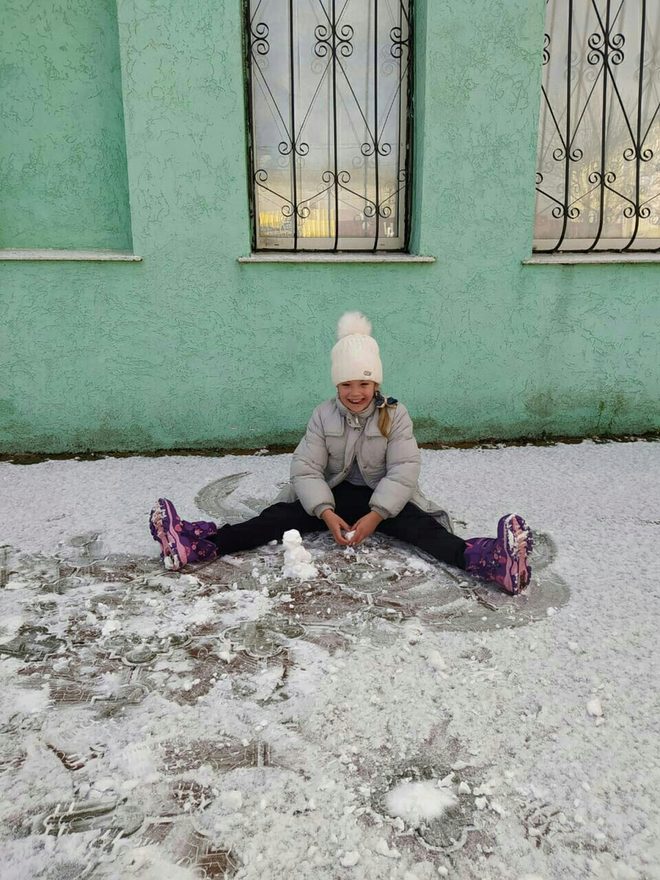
column 384, row 417
column 384, row 421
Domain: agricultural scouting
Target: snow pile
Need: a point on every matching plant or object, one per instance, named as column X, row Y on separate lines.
column 149, row 864
column 383, row 849
column 297, row 560
column 31, row 701
column 595, row 708
column 419, row 802
column 350, row 859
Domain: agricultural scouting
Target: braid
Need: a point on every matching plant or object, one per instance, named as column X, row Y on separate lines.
column 383, row 404
column 384, row 421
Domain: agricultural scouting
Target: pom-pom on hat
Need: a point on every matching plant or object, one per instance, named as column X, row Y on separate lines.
column 355, row 354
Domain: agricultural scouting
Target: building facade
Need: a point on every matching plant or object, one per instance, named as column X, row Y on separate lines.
column 135, row 315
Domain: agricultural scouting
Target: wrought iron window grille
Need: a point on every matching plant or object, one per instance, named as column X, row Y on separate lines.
column 329, row 93
column 598, row 168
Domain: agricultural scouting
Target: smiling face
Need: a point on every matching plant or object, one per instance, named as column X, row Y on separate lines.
column 357, row 394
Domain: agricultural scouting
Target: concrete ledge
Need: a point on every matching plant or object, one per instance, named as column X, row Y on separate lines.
column 594, row 258
column 53, row 254
column 342, row 257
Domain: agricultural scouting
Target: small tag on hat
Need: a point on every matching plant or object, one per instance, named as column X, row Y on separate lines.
column 367, row 373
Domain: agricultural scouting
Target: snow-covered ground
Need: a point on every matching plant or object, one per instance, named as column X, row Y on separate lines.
column 389, row 718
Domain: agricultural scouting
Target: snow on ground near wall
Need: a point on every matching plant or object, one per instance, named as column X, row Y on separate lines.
column 231, row 722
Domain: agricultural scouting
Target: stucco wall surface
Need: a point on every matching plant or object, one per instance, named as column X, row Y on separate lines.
column 191, row 349
column 62, row 153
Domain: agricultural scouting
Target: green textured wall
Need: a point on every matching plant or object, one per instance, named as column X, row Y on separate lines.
column 190, row 348
column 62, row 154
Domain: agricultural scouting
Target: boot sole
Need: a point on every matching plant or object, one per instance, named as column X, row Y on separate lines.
column 174, row 553
column 517, row 539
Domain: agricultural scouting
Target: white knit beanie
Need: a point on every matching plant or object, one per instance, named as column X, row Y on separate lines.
column 355, row 354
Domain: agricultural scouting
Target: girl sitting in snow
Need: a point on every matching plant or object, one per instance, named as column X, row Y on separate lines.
column 356, row 470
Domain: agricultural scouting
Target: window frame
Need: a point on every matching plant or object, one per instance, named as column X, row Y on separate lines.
column 604, row 47
column 301, row 245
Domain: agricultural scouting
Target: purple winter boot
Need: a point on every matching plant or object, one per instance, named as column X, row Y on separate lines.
column 503, row 559
column 182, row 542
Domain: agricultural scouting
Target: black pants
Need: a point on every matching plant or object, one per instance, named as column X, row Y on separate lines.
column 351, row 502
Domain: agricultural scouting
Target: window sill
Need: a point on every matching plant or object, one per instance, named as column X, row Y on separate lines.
column 603, row 258
column 53, row 254
column 343, row 257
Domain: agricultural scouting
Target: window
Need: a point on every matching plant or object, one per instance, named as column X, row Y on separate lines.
column 329, row 86
column 598, row 170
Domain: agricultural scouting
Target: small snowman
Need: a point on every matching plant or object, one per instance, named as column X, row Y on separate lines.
column 297, row 560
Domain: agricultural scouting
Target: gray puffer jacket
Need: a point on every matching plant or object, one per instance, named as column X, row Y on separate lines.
column 335, row 438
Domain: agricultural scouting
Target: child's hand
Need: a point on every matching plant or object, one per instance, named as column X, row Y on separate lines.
column 335, row 525
column 365, row 526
